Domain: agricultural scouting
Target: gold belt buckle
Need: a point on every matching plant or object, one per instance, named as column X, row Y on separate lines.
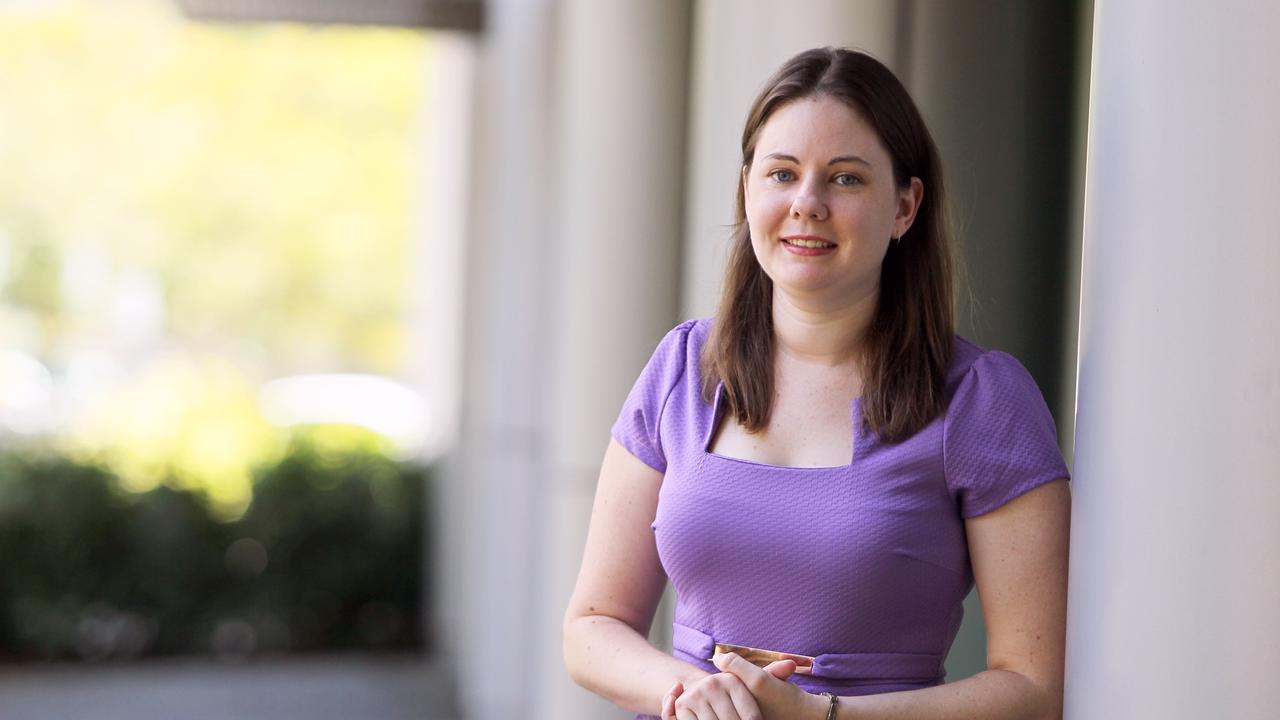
column 761, row 658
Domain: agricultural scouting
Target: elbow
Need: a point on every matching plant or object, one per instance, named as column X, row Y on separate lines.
column 1053, row 705
column 571, row 649
column 1042, row 697
column 1049, row 694
column 579, row 648
column 1048, row 698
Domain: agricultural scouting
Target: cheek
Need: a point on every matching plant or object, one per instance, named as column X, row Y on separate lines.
column 764, row 212
column 757, row 247
column 885, row 212
column 762, row 229
column 758, row 232
column 755, row 223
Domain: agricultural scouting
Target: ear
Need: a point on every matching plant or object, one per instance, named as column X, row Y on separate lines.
column 909, row 199
column 746, row 172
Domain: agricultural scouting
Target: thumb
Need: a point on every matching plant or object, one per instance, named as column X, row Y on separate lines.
column 781, row 669
column 738, row 665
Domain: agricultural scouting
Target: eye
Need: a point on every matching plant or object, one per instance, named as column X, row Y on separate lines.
column 847, row 180
column 782, row 175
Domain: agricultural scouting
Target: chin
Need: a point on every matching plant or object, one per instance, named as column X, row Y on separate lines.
column 806, row 283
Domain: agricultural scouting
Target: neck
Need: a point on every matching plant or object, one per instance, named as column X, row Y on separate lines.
column 807, row 330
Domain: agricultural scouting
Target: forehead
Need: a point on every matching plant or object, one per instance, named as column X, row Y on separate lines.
column 819, row 125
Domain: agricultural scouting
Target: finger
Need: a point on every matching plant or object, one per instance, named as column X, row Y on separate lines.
column 723, row 703
column 744, row 702
column 704, row 711
column 701, row 711
column 781, row 669
column 737, row 665
column 669, row 701
column 685, row 714
column 697, row 702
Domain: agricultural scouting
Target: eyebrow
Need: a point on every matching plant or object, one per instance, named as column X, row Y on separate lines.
column 833, row 161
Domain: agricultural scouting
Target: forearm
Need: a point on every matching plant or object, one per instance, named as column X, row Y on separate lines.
column 989, row 695
column 609, row 658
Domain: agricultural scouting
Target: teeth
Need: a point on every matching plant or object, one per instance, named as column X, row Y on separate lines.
column 809, row 243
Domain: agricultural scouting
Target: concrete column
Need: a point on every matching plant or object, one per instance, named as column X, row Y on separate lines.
column 442, row 226
column 438, row 307
column 622, row 70
column 737, row 45
column 497, row 473
column 1175, row 552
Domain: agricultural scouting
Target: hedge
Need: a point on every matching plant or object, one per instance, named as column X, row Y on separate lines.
column 328, row 556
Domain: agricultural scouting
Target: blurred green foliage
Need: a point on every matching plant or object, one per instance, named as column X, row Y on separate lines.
column 260, row 177
column 263, row 173
column 328, row 556
column 186, row 421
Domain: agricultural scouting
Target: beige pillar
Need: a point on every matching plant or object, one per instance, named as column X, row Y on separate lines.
column 498, row 471
column 438, row 308
column 1175, row 552
column 622, row 71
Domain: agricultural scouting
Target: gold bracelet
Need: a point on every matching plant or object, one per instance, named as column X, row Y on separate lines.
column 831, row 712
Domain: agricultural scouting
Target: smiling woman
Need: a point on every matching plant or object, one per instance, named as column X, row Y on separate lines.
column 844, row 209
column 825, row 469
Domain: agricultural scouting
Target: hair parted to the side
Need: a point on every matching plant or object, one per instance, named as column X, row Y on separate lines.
column 908, row 345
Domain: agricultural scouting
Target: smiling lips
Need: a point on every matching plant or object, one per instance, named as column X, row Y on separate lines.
column 807, row 245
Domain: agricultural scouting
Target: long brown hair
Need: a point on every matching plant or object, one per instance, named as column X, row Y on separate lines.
column 908, row 344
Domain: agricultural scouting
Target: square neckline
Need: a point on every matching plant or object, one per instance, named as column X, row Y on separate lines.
column 855, row 433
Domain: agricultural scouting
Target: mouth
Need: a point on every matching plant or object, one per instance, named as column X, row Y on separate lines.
column 808, row 241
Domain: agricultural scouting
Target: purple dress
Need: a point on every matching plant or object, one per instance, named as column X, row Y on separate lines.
column 866, row 566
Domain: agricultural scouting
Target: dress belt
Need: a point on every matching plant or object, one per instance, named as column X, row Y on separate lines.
column 882, row 667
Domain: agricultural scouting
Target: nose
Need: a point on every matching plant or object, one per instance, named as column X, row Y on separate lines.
column 808, row 204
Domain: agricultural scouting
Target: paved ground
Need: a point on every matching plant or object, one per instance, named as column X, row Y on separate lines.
column 398, row 687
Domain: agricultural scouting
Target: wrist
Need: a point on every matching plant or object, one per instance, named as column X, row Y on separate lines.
column 692, row 675
column 821, row 707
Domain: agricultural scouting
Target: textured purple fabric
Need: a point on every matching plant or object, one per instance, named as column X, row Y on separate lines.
column 864, row 566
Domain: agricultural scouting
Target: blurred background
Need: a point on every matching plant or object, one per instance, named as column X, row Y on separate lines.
column 215, row 438
column 315, row 315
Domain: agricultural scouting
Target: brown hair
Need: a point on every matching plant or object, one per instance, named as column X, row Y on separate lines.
column 908, row 345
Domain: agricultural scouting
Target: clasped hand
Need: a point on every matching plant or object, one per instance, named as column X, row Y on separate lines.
column 742, row 691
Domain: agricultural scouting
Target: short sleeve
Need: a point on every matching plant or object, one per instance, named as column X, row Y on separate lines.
column 999, row 439
column 637, row 427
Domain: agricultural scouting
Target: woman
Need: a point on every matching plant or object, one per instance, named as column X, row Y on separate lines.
column 824, row 469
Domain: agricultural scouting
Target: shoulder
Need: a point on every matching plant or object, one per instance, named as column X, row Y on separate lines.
column 999, row 439
column 673, row 365
column 973, row 366
column 694, row 331
column 683, row 343
column 675, row 360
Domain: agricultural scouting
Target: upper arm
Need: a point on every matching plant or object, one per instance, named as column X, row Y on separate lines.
column 1019, row 556
column 621, row 576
